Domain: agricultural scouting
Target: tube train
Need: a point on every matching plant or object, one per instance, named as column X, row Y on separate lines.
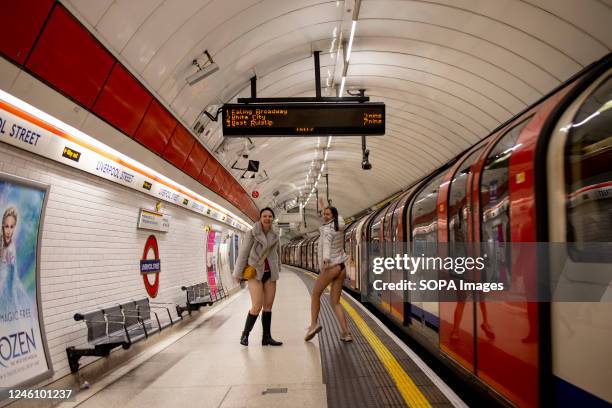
column 544, row 176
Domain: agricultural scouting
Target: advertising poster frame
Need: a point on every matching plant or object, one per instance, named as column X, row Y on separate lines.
column 16, row 181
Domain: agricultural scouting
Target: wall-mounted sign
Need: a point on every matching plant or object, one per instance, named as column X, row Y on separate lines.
column 255, row 194
column 304, row 119
column 150, row 266
column 24, row 357
column 29, row 129
column 152, row 220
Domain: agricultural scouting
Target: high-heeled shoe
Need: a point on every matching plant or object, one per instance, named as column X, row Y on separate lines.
column 347, row 338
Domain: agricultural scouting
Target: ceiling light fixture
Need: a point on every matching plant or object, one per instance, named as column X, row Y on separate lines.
column 342, row 87
column 350, row 44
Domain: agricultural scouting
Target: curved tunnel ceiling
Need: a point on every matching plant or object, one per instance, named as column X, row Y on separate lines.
column 448, row 71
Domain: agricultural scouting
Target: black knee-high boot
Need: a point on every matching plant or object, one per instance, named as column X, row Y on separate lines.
column 248, row 326
column 266, row 322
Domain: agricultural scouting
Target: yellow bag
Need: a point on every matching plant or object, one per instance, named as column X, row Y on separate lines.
column 249, row 272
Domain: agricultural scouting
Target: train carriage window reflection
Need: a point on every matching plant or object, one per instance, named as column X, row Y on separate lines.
column 424, row 219
column 395, row 219
column 588, row 175
column 495, row 205
column 458, row 206
column 375, row 250
column 375, row 247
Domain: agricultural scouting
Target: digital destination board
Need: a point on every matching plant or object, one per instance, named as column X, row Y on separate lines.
column 304, row 119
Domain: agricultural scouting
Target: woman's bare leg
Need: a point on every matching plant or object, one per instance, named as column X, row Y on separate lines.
column 256, row 289
column 315, row 302
column 269, row 292
column 336, row 292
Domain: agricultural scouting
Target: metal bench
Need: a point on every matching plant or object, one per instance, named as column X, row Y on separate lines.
column 117, row 326
column 199, row 295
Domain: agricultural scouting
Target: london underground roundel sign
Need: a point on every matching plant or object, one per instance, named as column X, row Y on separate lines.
column 255, row 194
column 150, row 266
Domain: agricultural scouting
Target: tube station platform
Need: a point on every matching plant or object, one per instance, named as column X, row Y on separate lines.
column 203, row 364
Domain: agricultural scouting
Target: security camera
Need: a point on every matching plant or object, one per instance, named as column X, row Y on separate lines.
column 365, row 162
column 202, row 73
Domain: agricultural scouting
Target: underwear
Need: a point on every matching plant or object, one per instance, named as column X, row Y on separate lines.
column 266, row 277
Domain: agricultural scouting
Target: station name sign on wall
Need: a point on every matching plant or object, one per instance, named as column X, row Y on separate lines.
column 304, row 119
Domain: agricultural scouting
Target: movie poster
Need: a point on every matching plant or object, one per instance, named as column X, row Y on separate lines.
column 23, row 348
column 211, row 260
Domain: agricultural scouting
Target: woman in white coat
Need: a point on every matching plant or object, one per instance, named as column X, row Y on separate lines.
column 331, row 270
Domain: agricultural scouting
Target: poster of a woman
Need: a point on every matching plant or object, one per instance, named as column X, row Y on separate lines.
column 23, row 350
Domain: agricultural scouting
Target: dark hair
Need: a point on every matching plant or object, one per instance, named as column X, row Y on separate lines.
column 334, row 212
column 266, row 209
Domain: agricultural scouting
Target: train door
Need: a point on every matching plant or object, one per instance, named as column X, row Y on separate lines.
column 303, row 253
column 457, row 336
column 349, row 248
column 504, row 346
column 364, row 257
column 358, row 257
column 384, row 251
column 396, row 298
column 375, row 250
column 402, row 238
column 579, row 184
column 424, row 224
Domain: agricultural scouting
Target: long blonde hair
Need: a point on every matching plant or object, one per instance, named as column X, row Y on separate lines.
column 9, row 212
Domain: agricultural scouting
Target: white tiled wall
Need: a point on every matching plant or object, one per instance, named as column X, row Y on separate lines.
column 91, row 248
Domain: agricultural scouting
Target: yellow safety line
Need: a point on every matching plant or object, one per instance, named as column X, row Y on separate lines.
column 410, row 392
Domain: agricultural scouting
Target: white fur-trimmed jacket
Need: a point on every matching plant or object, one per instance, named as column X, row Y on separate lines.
column 331, row 244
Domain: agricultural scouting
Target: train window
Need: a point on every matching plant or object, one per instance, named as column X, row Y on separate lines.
column 457, row 201
column 375, row 234
column 494, row 202
column 588, row 175
column 394, row 221
column 424, row 218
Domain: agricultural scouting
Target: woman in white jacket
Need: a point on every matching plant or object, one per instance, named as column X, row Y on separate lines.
column 331, row 270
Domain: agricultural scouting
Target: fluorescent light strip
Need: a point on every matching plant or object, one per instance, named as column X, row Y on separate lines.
column 325, row 158
column 109, row 150
column 342, row 87
column 322, row 166
column 329, row 141
column 350, row 44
